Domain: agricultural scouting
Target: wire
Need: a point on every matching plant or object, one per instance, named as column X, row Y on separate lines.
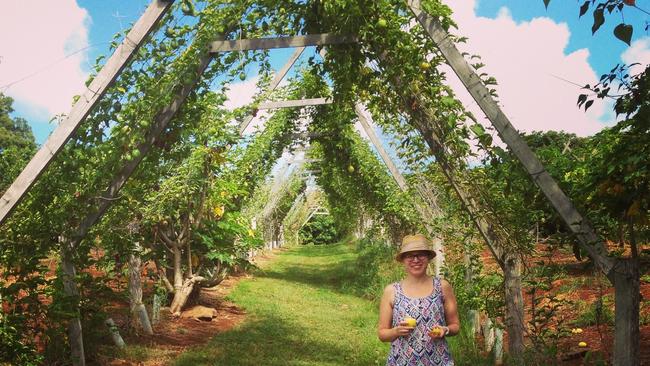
column 29, row 76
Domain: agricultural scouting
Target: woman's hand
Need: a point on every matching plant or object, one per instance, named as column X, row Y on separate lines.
column 403, row 329
column 438, row 332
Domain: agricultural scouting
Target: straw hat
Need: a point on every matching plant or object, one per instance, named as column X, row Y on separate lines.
column 413, row 243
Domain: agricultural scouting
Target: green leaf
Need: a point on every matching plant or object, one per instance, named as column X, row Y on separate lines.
column 599, row 19
column 477, row 129
column 582, row 99
column 584, row 8
column 624, row 32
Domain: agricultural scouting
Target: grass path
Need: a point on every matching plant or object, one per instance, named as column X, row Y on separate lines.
column 299, row 313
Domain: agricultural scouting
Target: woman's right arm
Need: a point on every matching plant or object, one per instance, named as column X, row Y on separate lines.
column 385, row 332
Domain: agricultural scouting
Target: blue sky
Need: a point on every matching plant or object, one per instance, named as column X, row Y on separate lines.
column 103, row 18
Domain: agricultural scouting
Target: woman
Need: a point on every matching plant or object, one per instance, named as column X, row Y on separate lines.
column 419, row 312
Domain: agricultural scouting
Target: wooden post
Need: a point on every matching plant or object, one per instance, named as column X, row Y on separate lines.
column 392, row 168
column 138, row 310
column 627, row 298
column 498, row 346
column 155, row 308
column 115, row 333
column 80, row 110
column 75, row 333
column 488, row 335
column 294, row 103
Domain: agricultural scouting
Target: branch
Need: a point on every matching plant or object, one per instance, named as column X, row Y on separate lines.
column 163, row 276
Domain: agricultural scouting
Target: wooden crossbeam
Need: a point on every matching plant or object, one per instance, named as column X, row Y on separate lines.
column 280, row 42
column 294, row 103
column 95, row 91
column 397, row 175
column 274, row 84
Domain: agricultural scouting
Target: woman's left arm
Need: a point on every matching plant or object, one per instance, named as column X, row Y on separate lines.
column 451, row 308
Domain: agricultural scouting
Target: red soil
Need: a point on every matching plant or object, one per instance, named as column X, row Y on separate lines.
column 175, row 335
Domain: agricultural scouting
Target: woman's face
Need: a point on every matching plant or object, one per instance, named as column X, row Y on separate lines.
column 416, row 262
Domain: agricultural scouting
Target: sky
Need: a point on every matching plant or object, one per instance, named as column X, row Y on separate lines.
column 537, row 55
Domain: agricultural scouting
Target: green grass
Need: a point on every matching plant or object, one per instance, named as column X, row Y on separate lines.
column 300, row 312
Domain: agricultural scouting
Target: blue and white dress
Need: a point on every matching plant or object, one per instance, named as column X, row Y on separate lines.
column 418, row 349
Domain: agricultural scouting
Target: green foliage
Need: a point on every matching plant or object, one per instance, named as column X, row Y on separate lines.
column 375, row 267
column 598, row 312
column 14, row 349
column 319, row 230
column 17, row 143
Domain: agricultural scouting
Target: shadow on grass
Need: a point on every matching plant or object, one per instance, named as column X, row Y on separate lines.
column 273, row 341
column 337, row 277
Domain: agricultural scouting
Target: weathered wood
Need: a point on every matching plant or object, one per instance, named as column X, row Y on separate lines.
column 294, row 103
column 627, row 349
column 510, row 136
column 138, row 310
column 161, row 120
column 488, row 335
column 280, row 42
column 80, row 110
column 274, row 84
column 363, row 120
column 115, row 333
column 498, row 346
column 514, row 317
column 75, row 333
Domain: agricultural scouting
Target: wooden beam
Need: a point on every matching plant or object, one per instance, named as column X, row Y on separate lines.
column 280, row 42
column 80, row 110
column 579, row 225
column 274, row 84
column 294, row 103
column 399, row 178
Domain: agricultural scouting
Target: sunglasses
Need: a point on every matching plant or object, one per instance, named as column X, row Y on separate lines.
column 412, row 256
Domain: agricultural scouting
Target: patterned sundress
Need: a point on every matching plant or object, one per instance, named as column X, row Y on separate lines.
column 418, row 349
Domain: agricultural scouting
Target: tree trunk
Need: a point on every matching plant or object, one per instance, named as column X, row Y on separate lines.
column 75, row 334
column 138, row 309
column 627, row 297
column 514, row 306
column 215, row 276
column 182, row 294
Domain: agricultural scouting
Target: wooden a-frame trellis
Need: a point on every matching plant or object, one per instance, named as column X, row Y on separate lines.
column 620, row 272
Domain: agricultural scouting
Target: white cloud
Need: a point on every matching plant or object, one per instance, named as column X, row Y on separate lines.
column 639, row 52
column 240, row 94
column 529, row 62
column 38, row 41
